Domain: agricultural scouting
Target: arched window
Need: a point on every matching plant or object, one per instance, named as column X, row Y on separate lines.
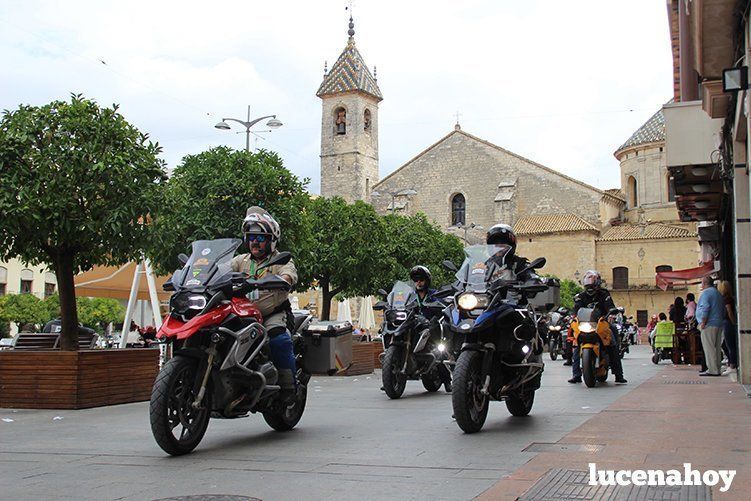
column 671, row 189
column 620, row 277
column 3, row 280
column 27, row 279
column 340, row 121
column 50, row 284
column 458, row 210
column 366, row 120
column 633, row 199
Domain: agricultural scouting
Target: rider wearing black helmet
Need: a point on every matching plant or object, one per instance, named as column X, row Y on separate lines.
column 595, row 293
column 422, row 278
column 503, row 234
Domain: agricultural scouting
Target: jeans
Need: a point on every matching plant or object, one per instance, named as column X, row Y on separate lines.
column 731, row 342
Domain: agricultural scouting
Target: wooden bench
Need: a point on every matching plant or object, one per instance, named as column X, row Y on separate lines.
column 51, row 341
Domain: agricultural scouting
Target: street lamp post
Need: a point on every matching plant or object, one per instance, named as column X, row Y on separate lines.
column 396, row 193
column 467, row 227
column 273, row 123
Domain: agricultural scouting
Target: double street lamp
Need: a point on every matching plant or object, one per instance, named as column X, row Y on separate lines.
column 467, row 227
column 396, row 193
column 274, row 123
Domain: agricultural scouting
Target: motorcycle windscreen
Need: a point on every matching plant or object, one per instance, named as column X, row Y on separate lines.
column 401, row 295
column 588, row 315
column 484, row 264
column 210, row 263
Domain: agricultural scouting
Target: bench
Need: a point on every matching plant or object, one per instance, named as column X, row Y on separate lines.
column 51, row 341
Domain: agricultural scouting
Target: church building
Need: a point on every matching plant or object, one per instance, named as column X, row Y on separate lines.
column 465, row 184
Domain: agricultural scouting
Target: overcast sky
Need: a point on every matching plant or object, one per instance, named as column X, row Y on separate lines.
column 562, row 83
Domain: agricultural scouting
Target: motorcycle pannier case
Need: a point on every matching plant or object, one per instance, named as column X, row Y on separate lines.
column 549, row 299
column 328, row 346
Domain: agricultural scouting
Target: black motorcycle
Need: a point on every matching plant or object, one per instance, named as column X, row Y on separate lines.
column 557, row 332
column 413, row 344
column 497, row 330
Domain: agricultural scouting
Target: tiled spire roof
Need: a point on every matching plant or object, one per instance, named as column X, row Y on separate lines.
column 350, row 73
column 652, row 131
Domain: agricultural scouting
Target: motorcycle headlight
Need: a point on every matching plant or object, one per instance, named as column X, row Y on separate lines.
column 441, row 347
column 551, row 327
column 557, row 327
column 587, row 327
column 469, row 301
column 182, row 303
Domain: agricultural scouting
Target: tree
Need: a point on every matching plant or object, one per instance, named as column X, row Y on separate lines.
column 22, row 309
column 349, row 255
column 209, row 193
column 98, row 312
column 414, row 240
column 77, row 182
column 569, row 289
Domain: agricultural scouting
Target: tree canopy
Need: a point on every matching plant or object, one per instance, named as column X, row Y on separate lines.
column 209, row 193
column 77, row 183
column 22, row 309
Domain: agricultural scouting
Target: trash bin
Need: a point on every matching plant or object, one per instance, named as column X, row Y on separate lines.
column 328, row 346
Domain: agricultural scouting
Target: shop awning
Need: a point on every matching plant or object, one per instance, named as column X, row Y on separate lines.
column 691, row 275
column 116, row 282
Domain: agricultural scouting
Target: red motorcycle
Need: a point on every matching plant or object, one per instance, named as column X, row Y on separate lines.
column 221, row 365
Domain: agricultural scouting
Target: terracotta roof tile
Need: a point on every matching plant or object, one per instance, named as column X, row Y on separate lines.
column 652, row 231
column 551, row 223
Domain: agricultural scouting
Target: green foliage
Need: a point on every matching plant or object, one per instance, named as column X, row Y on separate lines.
column 209, row 193
column 348, row 250
column 51, row 306
column 22, row 309
column 413, row 240
column 569, row 289
column 98, row 312
column 76, row 183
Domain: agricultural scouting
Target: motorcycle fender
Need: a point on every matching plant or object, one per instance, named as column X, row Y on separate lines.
column 594, row 347
column 422, row 341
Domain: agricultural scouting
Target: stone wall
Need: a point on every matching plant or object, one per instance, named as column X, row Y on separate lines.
column 495, row 183
column 566, row 253
column 349, row 162
column 648, row 166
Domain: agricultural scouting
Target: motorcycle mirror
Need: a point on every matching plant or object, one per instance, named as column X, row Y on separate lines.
column 183, row 259
column 537, row 263
column 168, row 285
column 281, row 258
column 382, row 292
column 449, row 265
column 380, row 306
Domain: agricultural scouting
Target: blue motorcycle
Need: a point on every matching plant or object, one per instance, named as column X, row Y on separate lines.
column 501, row 348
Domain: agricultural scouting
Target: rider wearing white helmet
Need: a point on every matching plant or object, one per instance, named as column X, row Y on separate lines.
column 261, row 234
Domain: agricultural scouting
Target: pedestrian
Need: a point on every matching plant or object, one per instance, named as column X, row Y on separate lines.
column 690, row 307
column 651, row 327
column 678, row 312
column 729, row 327
column 710, row 313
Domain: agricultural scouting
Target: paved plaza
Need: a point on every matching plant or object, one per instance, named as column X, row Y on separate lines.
column 352, row 443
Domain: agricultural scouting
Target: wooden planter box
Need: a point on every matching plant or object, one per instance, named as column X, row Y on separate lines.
column 362, row 359
column 377, row 350
column 76, row 379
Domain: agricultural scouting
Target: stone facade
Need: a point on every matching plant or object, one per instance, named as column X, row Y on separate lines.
column 568, row 255
column 497, row 185
column 349, row 161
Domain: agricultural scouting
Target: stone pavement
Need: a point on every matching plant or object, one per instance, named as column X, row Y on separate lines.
column 673, row 418
column 355, row 443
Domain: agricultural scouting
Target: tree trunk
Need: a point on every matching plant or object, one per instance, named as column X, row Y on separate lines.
column 327, row 296
column 63, row 263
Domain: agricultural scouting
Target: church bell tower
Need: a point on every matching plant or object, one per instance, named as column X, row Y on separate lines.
column 349, row 126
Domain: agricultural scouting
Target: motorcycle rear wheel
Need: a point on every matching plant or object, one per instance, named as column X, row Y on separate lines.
column 588, row 367
column 470, row 405
column 393, row 380
column 171, row 407
column 520, row 405
column 289, row 416
column 432, row 381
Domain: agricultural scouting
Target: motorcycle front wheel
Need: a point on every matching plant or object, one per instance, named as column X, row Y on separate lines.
column 469, row 403
column 176, row 425
column 393, row 380
column 553, row 350
column 588, row 367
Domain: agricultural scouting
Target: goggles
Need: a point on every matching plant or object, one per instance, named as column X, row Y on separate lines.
column 257, row 238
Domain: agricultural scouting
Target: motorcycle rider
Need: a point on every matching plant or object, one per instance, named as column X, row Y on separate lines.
column 261, row 234
column 503, row 234
column 422, row 278
column 595, row 293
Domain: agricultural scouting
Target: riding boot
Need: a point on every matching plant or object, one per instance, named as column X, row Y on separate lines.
column 286, row 382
